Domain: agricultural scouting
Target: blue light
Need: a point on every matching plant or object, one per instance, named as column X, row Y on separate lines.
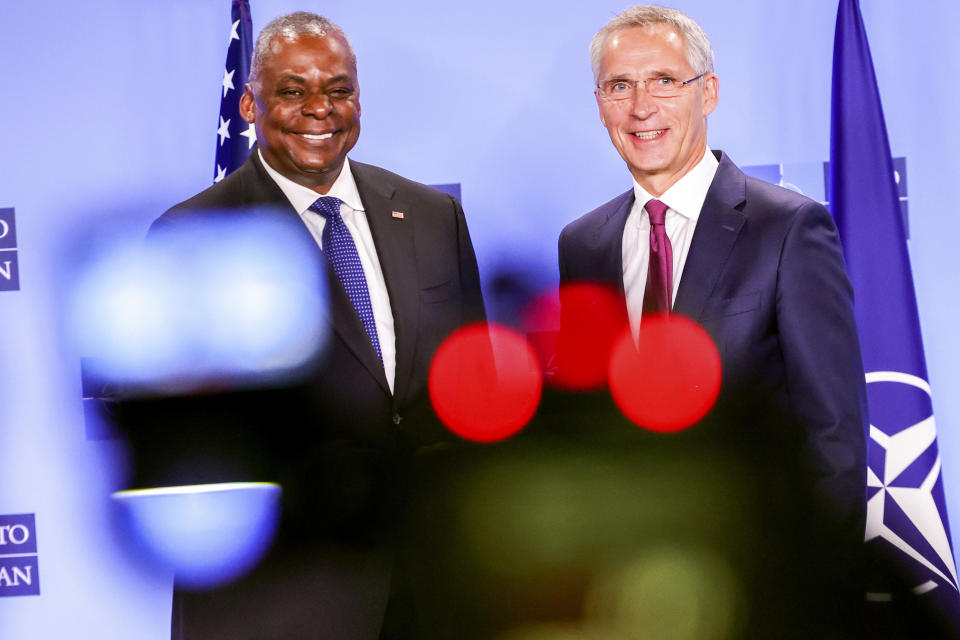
column 208, row 534
column 221, row 300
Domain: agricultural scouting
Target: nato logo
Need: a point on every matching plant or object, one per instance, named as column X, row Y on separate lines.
column 18, row 556
column 906, row 509
column 9, row 267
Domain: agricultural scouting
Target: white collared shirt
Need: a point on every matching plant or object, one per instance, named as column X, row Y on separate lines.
column 351, row 210
column 684, row 200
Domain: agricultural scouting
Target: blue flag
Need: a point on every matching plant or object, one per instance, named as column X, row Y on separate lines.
column 906, row 510
column 235, row 137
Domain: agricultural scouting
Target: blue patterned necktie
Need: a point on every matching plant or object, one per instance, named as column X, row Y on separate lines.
column 342, row 255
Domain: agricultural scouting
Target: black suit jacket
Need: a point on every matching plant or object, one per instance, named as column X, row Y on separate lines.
column 431, row 275
column 337, row 441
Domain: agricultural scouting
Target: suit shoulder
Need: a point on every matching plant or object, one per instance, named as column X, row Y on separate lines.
column 770, row 204
column 242, row 189
column 760, row 192
column 592, row 219
column 222, row 194
column 227, row 193
column 404, row 187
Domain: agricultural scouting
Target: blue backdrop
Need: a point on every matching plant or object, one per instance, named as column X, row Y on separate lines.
column 109, row 115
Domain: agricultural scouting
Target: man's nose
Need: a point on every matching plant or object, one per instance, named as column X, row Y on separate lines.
column 317, row 105
column 644, row 105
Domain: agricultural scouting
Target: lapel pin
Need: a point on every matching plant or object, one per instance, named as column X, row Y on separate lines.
column 397, row 214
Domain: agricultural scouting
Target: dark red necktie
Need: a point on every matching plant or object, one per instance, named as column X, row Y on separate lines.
column 659, row 290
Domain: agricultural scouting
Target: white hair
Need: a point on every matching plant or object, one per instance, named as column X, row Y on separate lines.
column 699, row 52
column 289, row 27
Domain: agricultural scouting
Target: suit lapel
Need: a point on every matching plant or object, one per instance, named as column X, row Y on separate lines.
column 343, row 317
column 347, row 324
column 717, row 230
column 260, row 188
column 608, row 240
column 393, row 237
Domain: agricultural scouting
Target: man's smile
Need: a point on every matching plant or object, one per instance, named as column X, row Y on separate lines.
column 649, row 135
column 316, row 136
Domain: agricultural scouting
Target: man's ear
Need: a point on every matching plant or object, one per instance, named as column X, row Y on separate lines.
column 596, row 94
column 247, row 110
column 711, row 93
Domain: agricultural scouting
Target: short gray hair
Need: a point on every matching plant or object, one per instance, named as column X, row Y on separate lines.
column 699, row 52
column 291, row 26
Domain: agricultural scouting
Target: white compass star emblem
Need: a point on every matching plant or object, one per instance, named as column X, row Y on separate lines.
column 900, row 452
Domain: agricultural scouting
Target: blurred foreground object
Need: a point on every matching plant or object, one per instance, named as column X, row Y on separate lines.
column 481, row 393
column 669, row 378
column 211, row 304
column 584, row 527
column 593, row 317
column 208, row 534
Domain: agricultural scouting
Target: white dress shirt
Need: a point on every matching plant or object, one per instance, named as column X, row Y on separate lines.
column 351, row 210
column 684, row 200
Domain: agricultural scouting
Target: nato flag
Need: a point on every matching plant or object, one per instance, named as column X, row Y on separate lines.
column 907, row 526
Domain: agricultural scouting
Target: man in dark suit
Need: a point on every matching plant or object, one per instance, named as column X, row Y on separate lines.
column 403, row 276
column 758, row 266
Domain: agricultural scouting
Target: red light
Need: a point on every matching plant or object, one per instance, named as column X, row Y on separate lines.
column 540, row 321
column 476, row 399
column 593, row 316
column 671, row 379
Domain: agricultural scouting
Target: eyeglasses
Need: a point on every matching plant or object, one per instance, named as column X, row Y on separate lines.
column 657, row 87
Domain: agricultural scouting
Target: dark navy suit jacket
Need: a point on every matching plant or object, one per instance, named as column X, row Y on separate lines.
column 765, row 277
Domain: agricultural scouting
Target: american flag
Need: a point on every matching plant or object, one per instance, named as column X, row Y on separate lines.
column 235, row 137
column 906, row 508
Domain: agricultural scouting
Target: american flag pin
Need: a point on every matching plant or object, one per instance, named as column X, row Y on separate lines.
column 397, row 214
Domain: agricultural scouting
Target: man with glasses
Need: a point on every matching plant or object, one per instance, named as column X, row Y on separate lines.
column 758, row 266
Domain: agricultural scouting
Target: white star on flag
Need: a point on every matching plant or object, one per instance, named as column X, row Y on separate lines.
column 231, row 151
column 223, row 132
column 227, row 82
column 251, row 135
